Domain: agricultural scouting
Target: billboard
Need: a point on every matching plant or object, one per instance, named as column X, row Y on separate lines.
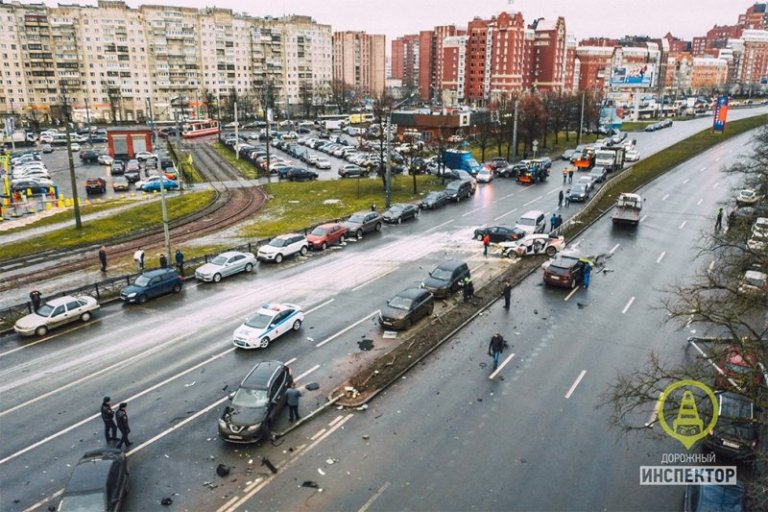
column 721, row 113
column 632, row 75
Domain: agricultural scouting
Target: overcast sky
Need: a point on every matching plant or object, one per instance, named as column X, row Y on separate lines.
column 583, row 18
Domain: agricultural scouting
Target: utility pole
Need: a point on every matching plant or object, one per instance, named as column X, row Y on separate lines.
column 237, row 136
column 581, row 121
column 514, row 131
column 388, row 169
column 166, row 232
column 73, row 179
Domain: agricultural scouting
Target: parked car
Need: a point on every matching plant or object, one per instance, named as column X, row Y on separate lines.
column 747, row 197
column 132, row 165
column 565, row 270
column 567, row 154
column 446, row 279
column 579, row 192
column 322, row 163
column 95, row 186
column 326, row 234
column 598, row 174
column 300, row 174
column 35, row 186
column 254, row 406
column 56, row 312
column 532, row 221
column 399, row 212
column 46, row 148
column 587, row 180
column 99, row 482
column 225, row 264
column 406, row 307
column 458, row 190
column 540, row 243
column 267, row 324
column 434, row 200
column 104, row 159
column 499, row 233
column 89, row 156
column 283, row 246
column 352, row 171
column 120, row 184
column 739, row 366
column 714, row 498
column 142, row 156
column 361, row 223
column 736, row 432
column 754, row 283
column 152, row 284
column 74, row 146
column 153, row 185
column 118, row 168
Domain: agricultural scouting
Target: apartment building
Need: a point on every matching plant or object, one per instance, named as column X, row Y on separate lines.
column 359, row 60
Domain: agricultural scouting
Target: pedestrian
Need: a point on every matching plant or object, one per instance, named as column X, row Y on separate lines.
column 560, row 198
column 36, row 298
column 122, row 424
column 373, row 207
column 567, row 199
column 732, row 219
column 570, row 175
column 468, row 288
column 108, row 416
column 486, row 243
column 292, row 396
column 507, row 293
column 565, row 175
column 495, row 348
column 559, row 220
column 138, row 257
column 103, row 258
column 180, row 262
column 553, row 222
column 719, row 221
column 585, row 274
column 163, row 260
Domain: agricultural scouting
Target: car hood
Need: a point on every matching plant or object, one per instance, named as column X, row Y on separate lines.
column 389, row 312
column 132, row 288
column 244, row 416
column 30, row 321
column 391, row 215
column 351, row 226
column 316, row 238
column 432, row 282
column 249, row 332
column 268, row 249
column 209, row 268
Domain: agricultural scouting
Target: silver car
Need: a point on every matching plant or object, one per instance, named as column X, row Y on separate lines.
column 225, row 264
column 56, row 312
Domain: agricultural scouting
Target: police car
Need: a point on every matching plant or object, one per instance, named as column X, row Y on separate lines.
column 267, row 324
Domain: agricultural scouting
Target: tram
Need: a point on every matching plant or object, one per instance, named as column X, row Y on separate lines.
column 200, row 128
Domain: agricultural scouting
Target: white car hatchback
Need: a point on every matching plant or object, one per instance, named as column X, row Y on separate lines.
column 283, row 246
column 267, row 324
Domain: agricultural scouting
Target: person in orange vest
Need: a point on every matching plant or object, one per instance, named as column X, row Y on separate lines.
column 486, row 243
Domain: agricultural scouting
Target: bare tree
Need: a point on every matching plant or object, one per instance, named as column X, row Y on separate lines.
column 340, row 95
column 307, row 97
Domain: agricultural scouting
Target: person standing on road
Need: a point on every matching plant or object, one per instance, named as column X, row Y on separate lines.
column 163, row 260
column 122, row 424
column 570, row 175
column 103, row 258
column 108, row 416
column 36, row 298
column 180, row 262
column 553, row 222
column 567, row 199
column 468, row 288
column 559, row 220
column 292, row 396
column 138, row 257
column 565, row 175
column 585, row 274
column 495, row 348
column 560, row 198
column 486, row 243
column 507, row 293
column 719, row 221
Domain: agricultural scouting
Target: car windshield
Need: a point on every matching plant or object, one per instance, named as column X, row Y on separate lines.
column 141, row 281
column 441, row 273
column 258, row 321
column 278, row 242
column 83, row 502
column 251, row 398
column 45, row 310
column 401, row 303
column 432, row 196
column 579, row 188
column 357, row 218
column 318, row 232
column 396, row 209
column 219, row 260
column 527, row 222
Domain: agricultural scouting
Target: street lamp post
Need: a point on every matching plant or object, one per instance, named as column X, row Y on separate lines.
column 388, row 168
column 72, row 177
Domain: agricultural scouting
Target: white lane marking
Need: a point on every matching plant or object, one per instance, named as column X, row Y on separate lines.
column 290, row 361
column 716, row 185
column 319, row 306
column 42, row 502
column 470, row 212
column 686, row 180
column 373, row 498
column 712, row 265
column 130, row 399
column 335, row 420
column 699, row 201
column 613, row 250
column 318, row 434
column 439, row 226
column 683, row 224
column 643, row 218
column 372, row 280
column 533, row 200
column 334, row 336
column 571, row 294
column 508, row 195
column 661, row 256
column 629, row 303
column 307, row 372
column 510, row 212
column 702, row 169
column 501, row 366
column 665, row 197
column 575, row 384
column 553, row 191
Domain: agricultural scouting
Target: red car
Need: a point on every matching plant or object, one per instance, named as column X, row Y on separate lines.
column 326, row 234
column 743, row 368
column 565, row 270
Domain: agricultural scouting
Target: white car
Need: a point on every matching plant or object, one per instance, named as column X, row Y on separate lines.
column 225, row 264
column 632, row 155
column 56, row 312
column 105, row 160
column 31, row 174
column 282, row 246
column 267, row 324
column 539, row 243
column 322, row 163
column 484, row 176
column 142, row 156
column 74, row 146
column 747, row 197
column 754, row 283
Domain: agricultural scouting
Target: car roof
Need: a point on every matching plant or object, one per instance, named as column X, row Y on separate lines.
column 229, row 254
column 159, row 272
column 532, row 214
column 261, row 374
column 411, row 293
column 450, row 264
column 92, row 471
column 58, row 301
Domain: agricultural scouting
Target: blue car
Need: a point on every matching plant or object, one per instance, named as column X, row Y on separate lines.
column 152, row 284
column 709, row 498
column 154, row 185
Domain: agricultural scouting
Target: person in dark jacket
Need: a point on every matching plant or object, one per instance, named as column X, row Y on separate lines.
column 507, row 293
column 108, row 417
column 292, row 400
column 37, row 298
column 103, row 258
column 495, row 348
column 468, row 288
column 122, row 424
column 560, row 196
column 180, row 262
column 163, row 261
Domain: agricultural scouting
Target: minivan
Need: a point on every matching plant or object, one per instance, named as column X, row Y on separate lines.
column 152, row 284
column 458, row 190
column 446, row 279
column 532, row 221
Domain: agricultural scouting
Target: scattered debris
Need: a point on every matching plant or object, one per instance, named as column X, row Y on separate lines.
column 311, row 340
column 310, row 483
column 250, row 461
column 580, row 305
column 523, row 460
column 389, row 335
column 363, row 407
column 225, row 387
column 320, row 470
column 222, row 470
column 366, row 437
column 535, row 311
column 331, row 461
column 166, row 502
column 266, row 462
column 365, row 344
column 190, row 384
column 312, row 386
column 210, row 485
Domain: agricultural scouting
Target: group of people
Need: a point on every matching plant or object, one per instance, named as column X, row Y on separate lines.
column 568, row 175
column 555, row 221
column 564, row 199
column 114, row 421
column 719, row 219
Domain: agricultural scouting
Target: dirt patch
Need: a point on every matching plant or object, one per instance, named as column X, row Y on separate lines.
column 388, row 367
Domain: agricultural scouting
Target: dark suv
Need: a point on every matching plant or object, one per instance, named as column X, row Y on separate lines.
column 405, row 308
column 254, row 405
column 362, row 222
column 152, row 284
column 98, row 482
column 95, row 185
column 446, row 279
column 736, row 433
column 565, row 270
column 89, row 156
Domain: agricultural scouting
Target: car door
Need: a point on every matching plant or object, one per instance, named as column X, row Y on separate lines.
column 233, row 265
column 278, row 324
column 277, row 394
column 74, row 309
column 58, row 316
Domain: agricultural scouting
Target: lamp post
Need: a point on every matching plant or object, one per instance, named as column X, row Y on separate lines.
column 72, row 177
column 388, row 169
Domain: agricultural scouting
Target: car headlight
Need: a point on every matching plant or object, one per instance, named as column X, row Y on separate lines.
column 131, row 295
column 254, row 427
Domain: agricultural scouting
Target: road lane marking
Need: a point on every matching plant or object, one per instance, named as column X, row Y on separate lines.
column 699, row 201
column 307, row 372
column 629, row 303
column 373, row 498
column 643, row 218
column 683, row 224
column 502, row 365
column 686, row 180
column 575, row 384
column 470, row 212
column 665, row 197
column 42, row 502
column 335, row 420
column 571, row 294
column 533, row 200
column 510, row 212
column 439, row 226
column 318, row 434
column 334, row 336
column 661, row 256
column 613, row 250
column 319, row 306
column 372, row 280
column 290, row 361
column 508, row 195
column 553, row 191
column 716, row 185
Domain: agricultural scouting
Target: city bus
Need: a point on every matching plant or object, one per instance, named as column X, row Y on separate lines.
column 200, row 128
column 334, row 121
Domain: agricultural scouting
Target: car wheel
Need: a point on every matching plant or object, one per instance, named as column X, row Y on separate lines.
column 142, row 299
column 177, row 288
column 297, row 325
column 324, row 246
column 249, row 267
column 378, row 227
column 279, row 258
column 303, row 251
column 85, row 316
column 551, row 251
column 216, row 277
column 359, row 234
column 479, row 236
column 264, row 342
column 41, row 331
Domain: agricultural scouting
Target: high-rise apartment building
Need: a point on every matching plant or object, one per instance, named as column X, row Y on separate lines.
column 405, row 60
column 359, row 60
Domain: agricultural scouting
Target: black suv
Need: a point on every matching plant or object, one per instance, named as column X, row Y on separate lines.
column 446, row 279
column 299, row 174
column 362, row 222
column 736, row 433
column 406, row 307
column 253, row 407
column 89, row 156
column 98, row 482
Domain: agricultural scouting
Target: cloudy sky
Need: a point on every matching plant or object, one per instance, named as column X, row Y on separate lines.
column 584, row 18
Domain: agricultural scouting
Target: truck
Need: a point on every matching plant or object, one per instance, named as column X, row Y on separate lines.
column 611, row 158
column 586, row 159
column 627, row 209
column 460, row 160
column 534, row 171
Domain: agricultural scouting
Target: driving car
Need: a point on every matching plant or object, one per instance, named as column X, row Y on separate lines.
column 484, row 176
column 736, row 432
column 446, row 279
column 499, row 233
column 56, row 312
column 539, row 243
column 399, row 212
column 95, row 186
column 352, row 171
column 153, row 184
column 747, row 197
column 225, row 264
column 565, row 270
column 326, row 234
column 361, row 223
column 46, row 148
column 152, row 284
column 632, row 155
column 567, row 154
column 458, row 189
column 579, row 193
column 99, row 481
column 406, row 307
column 74, row 146
column 433, row 200
column 267, row 324
column 89, row 156
column 300, row 174
column 283, row 246
column 598, row 174
column 255, row 404
column 120, row 184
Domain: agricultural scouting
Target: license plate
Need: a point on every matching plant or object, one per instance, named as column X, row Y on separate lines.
column 555, row 278
column 730, row 444
column 235, row 437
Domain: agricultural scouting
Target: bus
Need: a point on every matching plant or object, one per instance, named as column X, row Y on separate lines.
column 200, row 128
column 334, row 121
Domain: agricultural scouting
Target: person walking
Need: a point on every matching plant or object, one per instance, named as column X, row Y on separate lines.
column 486, row 243
column 719, row 221
column 585, row 275
column 138, row 257
column 560, row 198
column 36, row 298
column 553, row 222
column 180, row 262
column 567, row 199
column 108, row 416
column 163, row 260
column 122, row 424
column 495, row 348
column 507, row 293
column 103, row 258
column 292, row 396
